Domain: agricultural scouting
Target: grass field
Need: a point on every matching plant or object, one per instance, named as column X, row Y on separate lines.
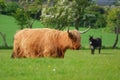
column 77, row 65
column 9, row 27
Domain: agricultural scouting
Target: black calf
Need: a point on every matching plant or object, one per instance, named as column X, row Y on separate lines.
column 95, row 43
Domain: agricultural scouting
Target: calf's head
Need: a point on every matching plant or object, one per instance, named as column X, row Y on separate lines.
column 90, row 39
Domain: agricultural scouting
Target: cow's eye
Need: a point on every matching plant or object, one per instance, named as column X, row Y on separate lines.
column 74, row 39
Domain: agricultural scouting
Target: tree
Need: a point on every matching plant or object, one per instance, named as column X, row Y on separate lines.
column 28, row 12
column 80, row 7
column 113, row 22
column 2, row 6
column 117, row 3
column 21, row 18
column 64, row 13
column 4, row 39
column 7, row 8
column 99, row 16
column 56, row 16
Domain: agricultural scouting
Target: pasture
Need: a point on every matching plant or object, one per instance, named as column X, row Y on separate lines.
column 77, row 65
column 9, row 26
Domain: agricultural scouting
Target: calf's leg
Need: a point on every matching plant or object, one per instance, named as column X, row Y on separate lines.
column 99, row 49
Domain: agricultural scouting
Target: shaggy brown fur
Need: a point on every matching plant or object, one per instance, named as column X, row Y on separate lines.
column 44, row 43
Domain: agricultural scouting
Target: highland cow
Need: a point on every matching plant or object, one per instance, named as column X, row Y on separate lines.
column 30, row 43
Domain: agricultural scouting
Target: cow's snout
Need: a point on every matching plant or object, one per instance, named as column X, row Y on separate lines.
column 77, row 47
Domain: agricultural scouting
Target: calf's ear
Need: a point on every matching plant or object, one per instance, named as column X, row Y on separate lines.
column 90, row 35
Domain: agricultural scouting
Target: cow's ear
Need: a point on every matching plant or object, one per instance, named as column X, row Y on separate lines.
column 71, row 36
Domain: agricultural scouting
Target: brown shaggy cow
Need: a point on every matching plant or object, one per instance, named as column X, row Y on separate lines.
column 44, row 43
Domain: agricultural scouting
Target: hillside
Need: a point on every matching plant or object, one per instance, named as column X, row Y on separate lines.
column 9, row 27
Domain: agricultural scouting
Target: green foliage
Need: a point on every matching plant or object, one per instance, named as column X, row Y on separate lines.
column 21, row 18
column 11, row 7
column 8, row 7
column 81, row 6
column 9, row 27
column 64, row 13
column 99, row 16
column 117, row 3
column 77, row 65
column 57, row 16
column 27, row 11
column 2, row 6
column 113, row 18
column 34, row 9
column 101, row 21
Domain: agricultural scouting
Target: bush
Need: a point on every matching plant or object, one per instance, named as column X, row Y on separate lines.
column 21, row 17
column 11, row 7
column 8, row 8
column 2, row 6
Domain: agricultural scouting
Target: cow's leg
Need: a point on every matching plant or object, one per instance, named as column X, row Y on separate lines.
column 50, row 52
column 46, row 53
column 18, row 53
column 62, row 54
column 14, row 55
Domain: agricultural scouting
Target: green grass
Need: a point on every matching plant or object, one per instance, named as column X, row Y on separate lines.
column 77, row 65
column 107, row 38
column 9, row 27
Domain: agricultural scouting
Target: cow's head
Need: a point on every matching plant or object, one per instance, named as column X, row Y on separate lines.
column 75, row 38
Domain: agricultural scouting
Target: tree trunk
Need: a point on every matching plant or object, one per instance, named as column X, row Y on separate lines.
column 4, row 39
column 77, row 23
column 117, row 37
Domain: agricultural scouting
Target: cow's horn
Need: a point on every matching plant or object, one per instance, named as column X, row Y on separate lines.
column 82, row 32
column 68, row 29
